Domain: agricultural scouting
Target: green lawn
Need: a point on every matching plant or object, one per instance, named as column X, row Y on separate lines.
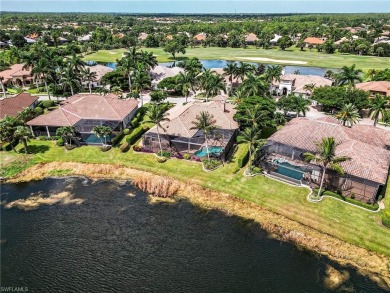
column 345, row 222
column 313, row 58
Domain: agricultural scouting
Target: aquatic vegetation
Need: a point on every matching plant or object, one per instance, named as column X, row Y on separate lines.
column 157, row 185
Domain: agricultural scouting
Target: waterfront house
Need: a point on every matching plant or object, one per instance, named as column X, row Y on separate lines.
column 84, row 112
column 100, row 71
column 367, row 147
column 178, row 135
column 13, row 106
column 375, row 87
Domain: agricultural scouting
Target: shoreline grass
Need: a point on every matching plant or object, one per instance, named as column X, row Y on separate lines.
column 342, row 221
column 313, row 58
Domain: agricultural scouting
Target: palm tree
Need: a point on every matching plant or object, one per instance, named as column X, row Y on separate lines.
column 329, row 74
column 192, row 65
column 67, row 133
column 185, row 83
column 76, row 63
column 254, row 85
column 299, row 105
column 211, row 83
column 238, row 95
column 69, row 79
column 42, row 70
column 244, row 69
column 147, row 59
column 309, row 87
column 141, row 81
column 128, row 64
column 22, row 133
column 273, row 72
column 250, row 135
column 348, row 115
column 230, row 70
column 102, row 132
column 205, row 122
column 378, row 108
column 7, row 130
column 326, row 158
column 26, row 114
column 157, row 115
column 89, row 76
column 349, row 75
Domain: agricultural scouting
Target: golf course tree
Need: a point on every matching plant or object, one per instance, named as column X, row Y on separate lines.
column 264, row 107
column 348, row 115
column 22, row 134
column 173, row 47
column 102, row 132
column 285, row 42
column 325, row 157
column 67, row 133
column 157, row 114
column 205, row 123
column 378, row 108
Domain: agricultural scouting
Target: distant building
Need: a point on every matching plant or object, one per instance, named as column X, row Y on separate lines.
column 199, row 38
column 142, row 36
column 13, row 106
column 275, row 39
column 313, row 41
column 100, row 71
column 250, row 39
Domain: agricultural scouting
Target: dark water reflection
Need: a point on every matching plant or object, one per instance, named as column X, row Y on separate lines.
column 114, row 242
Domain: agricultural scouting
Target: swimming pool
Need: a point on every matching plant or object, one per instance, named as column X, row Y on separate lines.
column 289, row 170
column 212, row 150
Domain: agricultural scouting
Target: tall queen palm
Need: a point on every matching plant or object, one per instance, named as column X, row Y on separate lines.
column 325, row 156
column 349, row 75
column 250, row 135
column 89, row 76
column 185, row 83
column 205, row 122
column 42, row 70
column 141, row 81
column 157, row 115
column 230, row 70
column 378, row 108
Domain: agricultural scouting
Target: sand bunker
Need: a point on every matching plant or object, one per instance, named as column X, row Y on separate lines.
column 35, row 201
column 272, row 60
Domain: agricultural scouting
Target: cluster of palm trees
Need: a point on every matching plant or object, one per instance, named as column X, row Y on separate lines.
column 12, row 131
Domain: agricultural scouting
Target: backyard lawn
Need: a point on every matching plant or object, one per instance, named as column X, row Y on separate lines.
column 345, row 222
column 312, row 58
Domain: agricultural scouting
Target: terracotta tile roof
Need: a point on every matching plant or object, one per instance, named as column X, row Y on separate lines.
column 251, row 37
column 375, row 86
column 14, row 71
column 100, row 70
column 12, row 106
column 200, row 37
column 90, row 107
column 365, row 145
column 181, row 118
column 314, row 41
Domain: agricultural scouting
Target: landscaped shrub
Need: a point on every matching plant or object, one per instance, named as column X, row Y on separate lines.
column 134, row 122
column 163, row 153
column 126, row 131
column 124, row 147
column 242, row 155
column 118, row 138
column 105, row 148
column 137, row 148
column 211, row 164
column 161, row 159
column 136, row 134
column 255, row 170
column 386, row 218
column 38, row 110
column 187, row 156
column 46, row 104
column 6, row 147
column 60, row 142
column 372, row 207
column 44, row 137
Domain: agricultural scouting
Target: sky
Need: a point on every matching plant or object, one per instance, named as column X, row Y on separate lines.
column 199, row 6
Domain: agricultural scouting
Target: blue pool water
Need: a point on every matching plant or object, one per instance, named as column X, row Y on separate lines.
column 212, row 150
column 92, row 139
column 289, row 170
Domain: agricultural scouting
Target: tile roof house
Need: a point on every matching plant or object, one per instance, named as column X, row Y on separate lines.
column 179, row 134
column 142, row 36
column 16, row 75
column 199, row 38
column 12, row 106
column 375, row 87
column 367, row 147
column 313, row 41
column 85, row 111
column 100, row 71
column 251, row 38
column 295, row 83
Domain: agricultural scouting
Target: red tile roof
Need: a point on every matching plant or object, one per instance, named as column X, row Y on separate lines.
column 14, row 71
column 90, row 107
column 314, row 41
column 12, row 106
column 375, row 86
column 366, row 145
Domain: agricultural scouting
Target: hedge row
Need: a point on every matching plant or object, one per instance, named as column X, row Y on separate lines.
column 136, row 134
column 242, row 155
column 117, row 139
column 386, row 218
column 372, row 207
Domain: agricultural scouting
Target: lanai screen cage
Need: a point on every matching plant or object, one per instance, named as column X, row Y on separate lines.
column 86, row 125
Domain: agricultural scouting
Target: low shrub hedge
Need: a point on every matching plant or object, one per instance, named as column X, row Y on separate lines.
column 242, row 155
column 60, row 142
column 136, row 134
column 118, row 138
column 386, row 218
column 38, row 110
column 6, row 147
column 44, row 137
column 187, row 156
column 211, row 164
column 126, row 131
column 137, row 148
column 105, row 148
column 124, row 147
column 163, row 153
column 372, row 207
column 161, row 159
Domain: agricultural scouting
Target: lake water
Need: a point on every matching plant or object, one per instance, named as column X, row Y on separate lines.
column 116, row 241
column 304, row 70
